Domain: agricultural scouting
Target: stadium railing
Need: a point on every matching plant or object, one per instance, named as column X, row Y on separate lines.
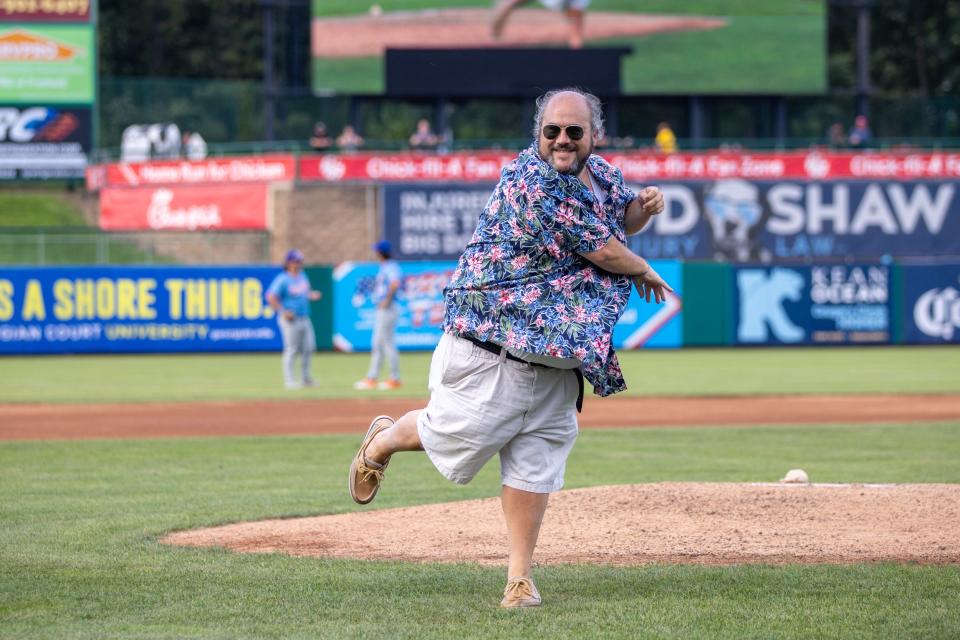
column 625, row 143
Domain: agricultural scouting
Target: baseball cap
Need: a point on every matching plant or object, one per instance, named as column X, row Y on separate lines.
column 294, row 255
column 383, row 246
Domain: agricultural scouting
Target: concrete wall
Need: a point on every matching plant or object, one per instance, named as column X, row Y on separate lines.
column 329, row 223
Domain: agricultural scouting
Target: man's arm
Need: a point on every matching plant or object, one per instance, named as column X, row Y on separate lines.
column 648, row 203
column 616, row 258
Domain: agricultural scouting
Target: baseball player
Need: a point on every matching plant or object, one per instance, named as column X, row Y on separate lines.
column 289, row 295
column 529, row 313
column 384, row 347
column 575, row 11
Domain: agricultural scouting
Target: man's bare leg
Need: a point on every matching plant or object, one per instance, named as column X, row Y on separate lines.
column 575, row 16
column 402, row 436
column 501, row 12
column 523, row 512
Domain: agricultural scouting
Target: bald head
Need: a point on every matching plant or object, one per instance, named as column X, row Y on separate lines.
column 572, row 121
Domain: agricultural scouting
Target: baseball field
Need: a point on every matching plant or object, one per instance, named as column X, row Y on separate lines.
column 673, row 524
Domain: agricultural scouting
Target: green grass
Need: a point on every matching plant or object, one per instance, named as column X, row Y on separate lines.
column 745, row 56
column 41, row 226
column 79, row 557
column 38, row 209
column 143, row 378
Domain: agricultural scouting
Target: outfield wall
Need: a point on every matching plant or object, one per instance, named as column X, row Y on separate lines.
column 216, row 309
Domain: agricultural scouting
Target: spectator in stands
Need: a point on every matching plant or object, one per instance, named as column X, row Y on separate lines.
column 665, row 140
column 836, row 137
column 573, row 9
column 860, row 135
column 349, row 139
column 193, row 146
column 320, row 140
column 424, row 139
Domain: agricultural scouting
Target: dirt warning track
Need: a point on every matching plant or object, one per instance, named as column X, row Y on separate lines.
column 241, row 418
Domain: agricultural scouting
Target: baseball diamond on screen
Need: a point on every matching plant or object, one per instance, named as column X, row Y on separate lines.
column 704, row 47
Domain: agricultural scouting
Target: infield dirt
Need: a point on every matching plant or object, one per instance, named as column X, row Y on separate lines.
column 706, row 523
column 187, row 419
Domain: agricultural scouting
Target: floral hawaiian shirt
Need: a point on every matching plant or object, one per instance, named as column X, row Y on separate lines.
column 521, row 282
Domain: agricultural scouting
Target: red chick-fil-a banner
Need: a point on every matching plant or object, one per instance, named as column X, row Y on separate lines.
column 640, row 166
column 405, row 167
column 228, row 207
column 268, row 168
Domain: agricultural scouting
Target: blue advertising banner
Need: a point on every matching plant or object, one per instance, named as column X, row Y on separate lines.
column 647, row 324
column 432, row 221
column 44, row 142
column 420, row 303
column 136, row 309
column 848, row 304
column 931, row 303
column 748, row 221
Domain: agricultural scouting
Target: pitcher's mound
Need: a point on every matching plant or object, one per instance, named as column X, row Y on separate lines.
column 362, row 35
column 715, row 523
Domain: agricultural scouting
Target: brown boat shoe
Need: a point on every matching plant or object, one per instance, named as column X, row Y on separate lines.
column 520, row 592
column 366, row 475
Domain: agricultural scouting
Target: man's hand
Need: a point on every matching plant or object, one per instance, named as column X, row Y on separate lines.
column 289, row 315
column 650, row 283
column 315, row 295
column 651, row 199
column 648, row 203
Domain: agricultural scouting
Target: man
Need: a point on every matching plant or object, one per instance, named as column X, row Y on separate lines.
column 289, row 295
column 384, row 345
column 575, row 11
column 665, row 140
column 860, row 134
column 529, row 313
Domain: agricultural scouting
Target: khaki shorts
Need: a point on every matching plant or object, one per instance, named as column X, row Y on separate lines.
column 482, row 404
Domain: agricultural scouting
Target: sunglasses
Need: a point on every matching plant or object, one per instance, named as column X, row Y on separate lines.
column 552, row 131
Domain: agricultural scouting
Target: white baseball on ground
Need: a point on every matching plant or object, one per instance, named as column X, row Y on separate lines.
column 796, row 476
column 375, row 10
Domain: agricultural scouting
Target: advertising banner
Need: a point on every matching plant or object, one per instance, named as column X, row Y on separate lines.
column 840, row 304
column 420, row 302
column 931, row 303
column 642, row 166
column 405, row 167
column 49, row 64
column 647, row 324
column 44, row 11
column 432, row 221
column 741, row 221
column 44, row 142
column 136, row 309
column 230, row 207
column 267, row 168
column 800, row 165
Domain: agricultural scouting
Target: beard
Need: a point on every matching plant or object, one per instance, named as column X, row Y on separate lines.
column 578, row 162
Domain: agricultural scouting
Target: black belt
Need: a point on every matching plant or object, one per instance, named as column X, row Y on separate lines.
column 495, row 348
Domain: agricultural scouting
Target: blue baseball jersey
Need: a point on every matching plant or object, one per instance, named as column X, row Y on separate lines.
column 388, row 273
column 293, row 292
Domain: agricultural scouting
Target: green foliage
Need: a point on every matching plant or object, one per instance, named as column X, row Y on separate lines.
column 147, row 378
column 915, row 47
column 79, row 556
